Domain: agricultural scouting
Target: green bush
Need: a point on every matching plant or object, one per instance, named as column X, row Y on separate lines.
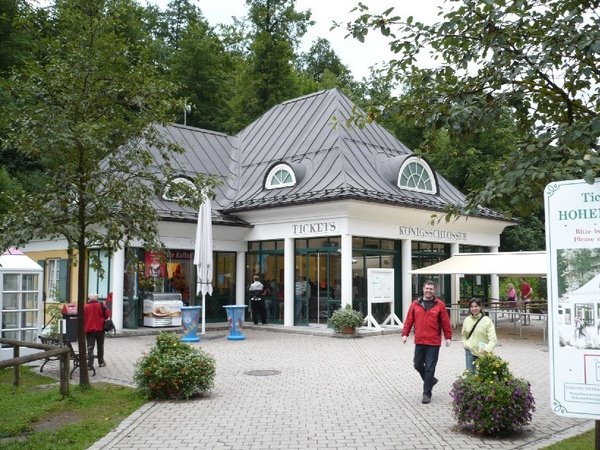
column 345, row 317
column 174, row 370
column 492, row 401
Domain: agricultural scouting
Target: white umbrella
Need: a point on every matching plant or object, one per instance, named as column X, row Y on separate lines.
column 203, row 255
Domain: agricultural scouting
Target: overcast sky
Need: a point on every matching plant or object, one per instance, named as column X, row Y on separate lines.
column 354, row 54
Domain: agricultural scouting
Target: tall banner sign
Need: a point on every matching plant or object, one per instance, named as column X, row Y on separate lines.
column 573, row 248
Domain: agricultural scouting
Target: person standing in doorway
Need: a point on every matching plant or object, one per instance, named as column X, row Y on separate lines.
column 478, row 334
column 302, row 290
column 94, row 315
column 257, row 302
column 526, row 294
column 430, row 318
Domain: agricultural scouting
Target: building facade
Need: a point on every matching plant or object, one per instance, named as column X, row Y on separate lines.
column 307, row 203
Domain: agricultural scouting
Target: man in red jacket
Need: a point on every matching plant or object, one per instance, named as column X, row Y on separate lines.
column 94, row 314
column 429, row 316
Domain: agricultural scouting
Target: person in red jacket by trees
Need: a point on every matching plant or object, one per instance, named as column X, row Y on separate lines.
column 94, row 314
column 526, row 294
column 429, row 316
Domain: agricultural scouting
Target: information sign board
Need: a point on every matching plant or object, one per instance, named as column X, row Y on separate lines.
column 573, row 248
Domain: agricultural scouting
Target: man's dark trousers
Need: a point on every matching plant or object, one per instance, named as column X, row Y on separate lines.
column 259, row 309
column 426, row 357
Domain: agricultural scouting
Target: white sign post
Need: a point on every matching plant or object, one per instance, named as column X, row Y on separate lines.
column 380, row 289
column 573, row 248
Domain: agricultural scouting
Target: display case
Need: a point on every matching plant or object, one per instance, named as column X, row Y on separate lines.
column 162, row 310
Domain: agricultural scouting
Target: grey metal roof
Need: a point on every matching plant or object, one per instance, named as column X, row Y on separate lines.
column 331, row 161
column 336, row 161
column 207, row 152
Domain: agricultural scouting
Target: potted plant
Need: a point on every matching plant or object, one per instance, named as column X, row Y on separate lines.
column 491, row 401
column 346, row 320
column 173, row 369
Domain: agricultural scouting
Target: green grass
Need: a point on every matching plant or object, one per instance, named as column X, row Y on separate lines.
column 75, row 422
column 583, row 441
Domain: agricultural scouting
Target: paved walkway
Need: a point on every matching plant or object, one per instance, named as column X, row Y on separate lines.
column 326, row 393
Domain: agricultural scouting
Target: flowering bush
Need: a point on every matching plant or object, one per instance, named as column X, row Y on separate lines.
column 491, row 400
column 174, row 370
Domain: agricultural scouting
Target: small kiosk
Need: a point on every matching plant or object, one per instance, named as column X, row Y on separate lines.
column 21, row 305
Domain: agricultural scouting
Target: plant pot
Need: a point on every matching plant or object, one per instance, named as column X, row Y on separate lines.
column 348, row 330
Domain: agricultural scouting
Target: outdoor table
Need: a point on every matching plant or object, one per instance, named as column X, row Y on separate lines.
column 190, row 317
column 235, row 317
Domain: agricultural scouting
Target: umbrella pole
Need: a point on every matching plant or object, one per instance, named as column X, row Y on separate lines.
column 203, row 314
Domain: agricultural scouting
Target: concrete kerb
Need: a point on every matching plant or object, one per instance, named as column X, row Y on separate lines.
column 313, row 330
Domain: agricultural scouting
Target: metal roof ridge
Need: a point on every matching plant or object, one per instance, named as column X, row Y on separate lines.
column 201, row 130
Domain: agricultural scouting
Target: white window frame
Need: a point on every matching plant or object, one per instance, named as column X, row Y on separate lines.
column 273, row 181
column 424, row 169
column 96, row 284
column 167, row 196
column 23, row 320
column 53, row 281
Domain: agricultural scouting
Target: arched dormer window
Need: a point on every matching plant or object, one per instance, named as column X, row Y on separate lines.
column 280, row 176
column 178, row 188
column 415, row 175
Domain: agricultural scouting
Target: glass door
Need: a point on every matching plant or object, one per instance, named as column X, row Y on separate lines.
column 317, row 269
column 318, row 276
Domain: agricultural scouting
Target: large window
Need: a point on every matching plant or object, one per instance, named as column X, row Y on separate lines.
column 415, row 175
column 265, row 258
column 373, row 253
column 425, row 254
column 19, row 306
column 99, row 272
column 56, row 279
column 474, row 285
column 224, row 282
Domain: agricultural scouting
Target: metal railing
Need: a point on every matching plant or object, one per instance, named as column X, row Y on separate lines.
column 518, row 314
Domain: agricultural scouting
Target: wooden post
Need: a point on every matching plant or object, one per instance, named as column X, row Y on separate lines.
column 17, row 367
column 64, row 374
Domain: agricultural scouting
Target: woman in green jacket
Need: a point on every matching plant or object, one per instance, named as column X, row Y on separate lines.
column 478, row 334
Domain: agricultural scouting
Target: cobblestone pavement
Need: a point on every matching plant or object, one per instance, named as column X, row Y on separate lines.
column 326, row 393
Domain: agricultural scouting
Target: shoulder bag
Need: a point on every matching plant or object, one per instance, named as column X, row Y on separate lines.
column 108, row 323
column 474, row 326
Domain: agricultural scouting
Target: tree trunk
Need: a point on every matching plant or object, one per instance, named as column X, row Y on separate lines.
column 84, row 378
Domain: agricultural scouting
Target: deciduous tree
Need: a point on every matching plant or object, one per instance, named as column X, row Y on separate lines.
column 536, row 58
column 88, row 110
column 269, row 77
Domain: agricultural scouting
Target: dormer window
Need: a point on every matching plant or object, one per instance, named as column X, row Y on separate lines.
column 415, row 175
column 178, row 189
column 280, row 176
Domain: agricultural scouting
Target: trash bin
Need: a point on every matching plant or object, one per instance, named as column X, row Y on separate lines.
column 69, row 315
column 130, row 314
column 71, row 327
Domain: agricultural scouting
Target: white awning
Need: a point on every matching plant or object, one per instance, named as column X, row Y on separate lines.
column 506, row 263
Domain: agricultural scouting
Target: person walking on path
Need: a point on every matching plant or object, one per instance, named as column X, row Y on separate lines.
column 526, row 294
column 430, row 318
column 94, row 315
column 478, row 334
column 257, row 303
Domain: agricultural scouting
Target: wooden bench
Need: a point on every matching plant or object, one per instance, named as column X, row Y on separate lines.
column 73, row 355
